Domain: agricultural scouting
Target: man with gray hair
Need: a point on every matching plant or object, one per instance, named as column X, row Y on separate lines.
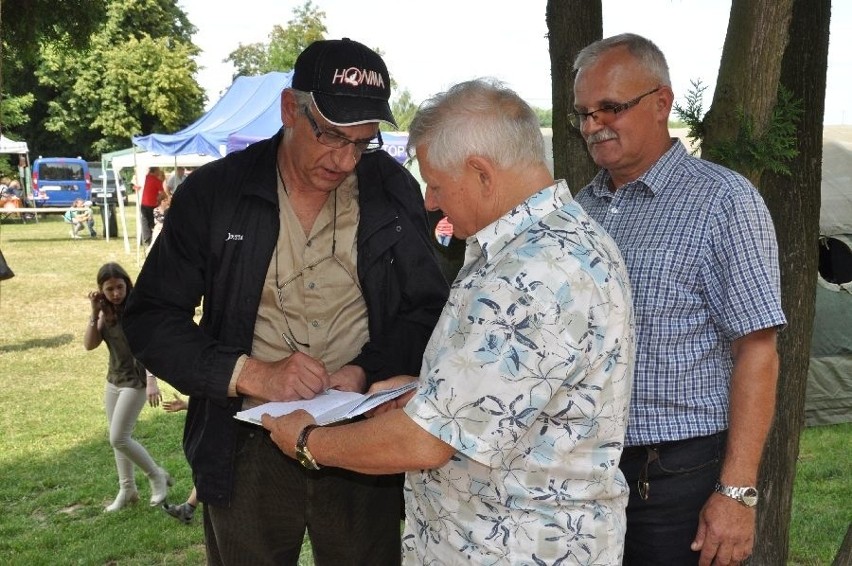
column 512, row 438
column 700, row 248
column 313, row 258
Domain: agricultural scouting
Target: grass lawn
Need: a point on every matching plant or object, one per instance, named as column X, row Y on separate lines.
column 57, row 467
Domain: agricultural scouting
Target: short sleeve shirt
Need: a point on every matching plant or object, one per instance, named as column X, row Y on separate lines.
column 701, row 251
column 527, row 375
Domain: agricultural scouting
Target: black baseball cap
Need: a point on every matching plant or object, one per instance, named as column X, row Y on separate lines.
column 349, row 82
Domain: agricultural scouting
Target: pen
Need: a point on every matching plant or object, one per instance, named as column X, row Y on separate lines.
column 292, row 345
column 290, row 342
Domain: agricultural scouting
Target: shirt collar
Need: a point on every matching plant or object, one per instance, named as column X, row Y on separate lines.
column 500, row 233
column 655, row 179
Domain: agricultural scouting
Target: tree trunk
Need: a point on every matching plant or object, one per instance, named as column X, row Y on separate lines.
column 794, row 202
column 571, row 25
column 749, row 72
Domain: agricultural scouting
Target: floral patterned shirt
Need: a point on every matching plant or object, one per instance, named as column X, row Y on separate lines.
column 528, row 376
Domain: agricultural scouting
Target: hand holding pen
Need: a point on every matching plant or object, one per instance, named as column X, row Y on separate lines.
column 298, row 376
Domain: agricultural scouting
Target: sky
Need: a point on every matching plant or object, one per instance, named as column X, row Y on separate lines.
column 429, row 46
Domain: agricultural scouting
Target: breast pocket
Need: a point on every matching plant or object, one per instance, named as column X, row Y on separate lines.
column 656, row 275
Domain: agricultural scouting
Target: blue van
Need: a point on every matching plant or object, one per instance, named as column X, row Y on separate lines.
column 58, row 181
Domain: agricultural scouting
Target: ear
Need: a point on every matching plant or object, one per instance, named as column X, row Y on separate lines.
column 664, row 101
column 483, row 171
column 289, row 108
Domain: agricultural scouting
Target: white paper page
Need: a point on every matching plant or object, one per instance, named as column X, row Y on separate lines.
column 375, row 399
column 316, row 406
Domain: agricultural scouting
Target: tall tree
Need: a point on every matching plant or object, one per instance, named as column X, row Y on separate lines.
column 571, row 25
column 285, row 43
column 794, row 201
column 26, row 25
column 404, row 109
column 135, row 76
column 747, row 87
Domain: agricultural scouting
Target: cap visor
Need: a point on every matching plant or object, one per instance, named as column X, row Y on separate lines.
column 343, row 110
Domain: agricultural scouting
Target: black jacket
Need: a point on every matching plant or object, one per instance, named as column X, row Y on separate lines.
column 217, row 242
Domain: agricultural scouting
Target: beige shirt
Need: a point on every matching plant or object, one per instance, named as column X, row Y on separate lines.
column 311, row 293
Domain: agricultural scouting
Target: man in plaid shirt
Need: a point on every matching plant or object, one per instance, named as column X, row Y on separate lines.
column 701, row 253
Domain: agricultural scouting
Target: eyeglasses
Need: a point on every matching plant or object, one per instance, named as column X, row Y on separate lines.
column 331, row 139
column 577, row 119
column 289, row 337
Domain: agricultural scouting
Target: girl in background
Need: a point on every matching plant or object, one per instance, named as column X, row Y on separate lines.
column 128, row 386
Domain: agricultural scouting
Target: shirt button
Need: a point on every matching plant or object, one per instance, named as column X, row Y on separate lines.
column 614, row 209
column 315, row 323
column 311, row 285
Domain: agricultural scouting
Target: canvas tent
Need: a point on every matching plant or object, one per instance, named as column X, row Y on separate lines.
column 829, row 388
column 140, row 161
column 249, row 111
column 8, row 145
column 249, row 107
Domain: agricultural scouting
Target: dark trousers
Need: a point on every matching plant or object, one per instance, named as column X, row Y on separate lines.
column 350, row 518
column 147, row 223
column 680, row 477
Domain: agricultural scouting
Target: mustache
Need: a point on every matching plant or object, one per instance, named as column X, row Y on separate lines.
column 601, row 136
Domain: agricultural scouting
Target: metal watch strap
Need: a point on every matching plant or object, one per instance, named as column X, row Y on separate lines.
column 744, row 495
column 303, row 455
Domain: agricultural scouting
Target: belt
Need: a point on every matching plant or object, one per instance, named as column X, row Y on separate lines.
column 642, row 451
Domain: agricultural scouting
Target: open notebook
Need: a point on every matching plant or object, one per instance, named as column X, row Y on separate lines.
column 329, row 407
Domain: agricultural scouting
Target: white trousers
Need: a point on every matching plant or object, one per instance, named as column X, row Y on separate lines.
column 123, row 405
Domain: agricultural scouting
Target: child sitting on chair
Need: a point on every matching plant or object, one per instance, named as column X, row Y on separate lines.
column 80, row 216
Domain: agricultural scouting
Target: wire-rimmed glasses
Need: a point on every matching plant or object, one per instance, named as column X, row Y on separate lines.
column 281, row 286
column 335, row 140
column 606, row 111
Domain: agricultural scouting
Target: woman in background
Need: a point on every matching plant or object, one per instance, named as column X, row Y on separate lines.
column 127, row 388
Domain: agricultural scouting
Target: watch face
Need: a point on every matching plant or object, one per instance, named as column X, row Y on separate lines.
column 750, row 496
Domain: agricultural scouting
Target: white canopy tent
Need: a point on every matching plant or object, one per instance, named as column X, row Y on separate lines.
column 11, row 146
column 140, row 162
column 8, row 145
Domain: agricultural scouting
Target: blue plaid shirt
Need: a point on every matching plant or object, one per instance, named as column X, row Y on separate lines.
column 700, row 249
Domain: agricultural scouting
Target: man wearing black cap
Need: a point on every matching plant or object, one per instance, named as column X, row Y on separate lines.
column 316, row 269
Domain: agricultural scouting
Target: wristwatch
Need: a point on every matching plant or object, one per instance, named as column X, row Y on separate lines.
column 303, row 455
column 746, row 495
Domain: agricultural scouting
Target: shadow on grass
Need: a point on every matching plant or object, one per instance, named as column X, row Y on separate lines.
column 53, row 505
column 52, row 342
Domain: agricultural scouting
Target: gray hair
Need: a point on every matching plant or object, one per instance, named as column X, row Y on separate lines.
column 644, row 50
column 304, row 101
column 480, row 117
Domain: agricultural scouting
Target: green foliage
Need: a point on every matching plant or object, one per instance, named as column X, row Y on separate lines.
column 693, row 114
column 403, row 109
column 748, row 152
column 135, row 76
column 27, row 24
column 545, row 117
column 249, row 60
column 285, row 44
column 771, row 151
column 14, row 110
